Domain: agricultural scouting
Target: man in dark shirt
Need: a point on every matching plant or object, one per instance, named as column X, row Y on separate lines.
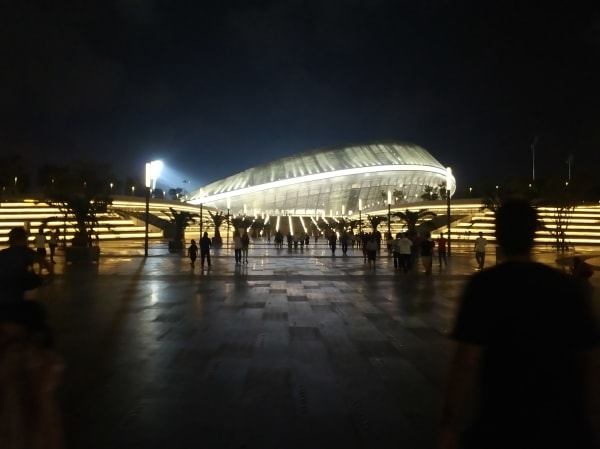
column 16, row 266
column 524, row 335
column 205, row 245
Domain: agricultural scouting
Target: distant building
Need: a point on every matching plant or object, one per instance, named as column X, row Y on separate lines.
column 330, row 182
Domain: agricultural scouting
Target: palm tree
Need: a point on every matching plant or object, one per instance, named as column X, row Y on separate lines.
column 181, row 220
column 429, row 193
column 83, row 209
column 218, row 219
column 411, row 218
column 241, row 222
column 375, row 220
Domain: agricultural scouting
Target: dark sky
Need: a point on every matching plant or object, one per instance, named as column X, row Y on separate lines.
column 213, row 88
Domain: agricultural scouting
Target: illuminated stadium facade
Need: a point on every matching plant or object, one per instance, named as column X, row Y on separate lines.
column 329, row 182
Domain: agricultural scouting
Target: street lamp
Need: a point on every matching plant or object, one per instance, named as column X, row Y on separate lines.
column 132, row 190
column 359, row 216
column 152, row 173
column 201, row 196
column 111, row 187
column 389, row 199
column 448, row 216
column 228, row 223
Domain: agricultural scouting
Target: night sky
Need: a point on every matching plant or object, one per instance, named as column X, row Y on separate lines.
column 213, row 88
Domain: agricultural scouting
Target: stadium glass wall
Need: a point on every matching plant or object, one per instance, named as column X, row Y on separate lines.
column 329, row 182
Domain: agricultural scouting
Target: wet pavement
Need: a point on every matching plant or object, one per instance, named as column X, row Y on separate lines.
column 293, row 350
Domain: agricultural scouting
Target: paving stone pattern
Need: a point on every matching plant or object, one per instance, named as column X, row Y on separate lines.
column 293, row 350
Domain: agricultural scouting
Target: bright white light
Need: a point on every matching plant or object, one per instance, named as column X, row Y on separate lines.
column 315, row 177
column 153, row 170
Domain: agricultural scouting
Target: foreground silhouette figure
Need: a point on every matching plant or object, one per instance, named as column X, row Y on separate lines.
column 520, row 375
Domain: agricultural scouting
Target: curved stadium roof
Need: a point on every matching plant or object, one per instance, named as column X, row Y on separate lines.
column 327, row 180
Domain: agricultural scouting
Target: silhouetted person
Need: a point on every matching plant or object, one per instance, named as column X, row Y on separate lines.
column 441, row 249
column 52, row 244
column 245, row 246
column 480, row 244
column 332, row 242
column 524, row 334
column 40, row 246
column 344, row 239
column 192, row 252
column 16, row 267
column 205, row 245
column 426, row 246
column 237, row 247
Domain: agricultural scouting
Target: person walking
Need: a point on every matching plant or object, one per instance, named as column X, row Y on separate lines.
column 344, row 239
column 52, row 244
column 192, row 252
column 525, row 336
column 371, row 248
column 396, row 251
column 205, row 245
column 332, row 242
column 40, row 246
column 405, row 249
column 441, row 249
column 426, row 245
column 245, row 246
column 237, row 247
column 480, row 244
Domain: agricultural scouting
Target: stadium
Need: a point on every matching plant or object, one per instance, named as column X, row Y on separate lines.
column 337, row 181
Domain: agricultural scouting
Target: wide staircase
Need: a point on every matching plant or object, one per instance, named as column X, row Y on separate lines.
column 126, row 219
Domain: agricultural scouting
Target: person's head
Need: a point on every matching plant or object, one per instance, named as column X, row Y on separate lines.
column 516, row 223
column 17, row 237
column 193, row 242
column 441, row 235
column 480, row 234
column 205, row 234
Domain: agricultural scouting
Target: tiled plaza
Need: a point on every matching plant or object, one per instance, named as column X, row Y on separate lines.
column 293, row 350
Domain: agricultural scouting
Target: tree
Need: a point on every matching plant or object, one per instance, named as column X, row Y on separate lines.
column 181, row 220
column 443, row 191
column 240, row 221
column 412, row 218
column 342, row 224
column 375, row 220
column 218, row 218
column 257, row 225
column 429, row 193
column 83, row 209
column 398, row 196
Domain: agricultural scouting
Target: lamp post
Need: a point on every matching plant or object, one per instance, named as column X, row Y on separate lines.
column 152, row 173
column 228, row 223
column 448, row 216
column 389, row 199
column 132, row 190
column 359, row 216
column 200, row 215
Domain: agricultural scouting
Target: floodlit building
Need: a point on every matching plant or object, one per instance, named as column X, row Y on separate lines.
column 330, row 182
